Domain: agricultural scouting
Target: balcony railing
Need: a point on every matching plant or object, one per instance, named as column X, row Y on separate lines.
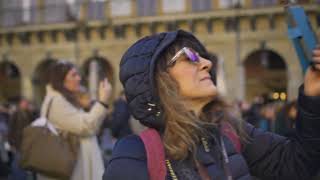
column 101, row 11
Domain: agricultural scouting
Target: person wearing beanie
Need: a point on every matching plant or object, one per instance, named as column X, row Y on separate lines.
column 170, row 86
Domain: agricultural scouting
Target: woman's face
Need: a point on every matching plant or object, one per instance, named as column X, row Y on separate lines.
column 72, row 80
column 193, row 77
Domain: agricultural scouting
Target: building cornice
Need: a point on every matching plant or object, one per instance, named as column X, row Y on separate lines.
column 119, row 21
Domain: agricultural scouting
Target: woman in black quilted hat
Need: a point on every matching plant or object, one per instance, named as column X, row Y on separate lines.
column 170, row 84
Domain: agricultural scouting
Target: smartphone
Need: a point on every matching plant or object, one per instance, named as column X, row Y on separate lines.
column 301, row 33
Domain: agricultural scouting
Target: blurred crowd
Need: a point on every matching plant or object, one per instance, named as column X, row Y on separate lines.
column 270, row 115
column 16, row 115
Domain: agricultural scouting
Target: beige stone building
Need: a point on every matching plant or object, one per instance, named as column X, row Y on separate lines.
column 249, row 37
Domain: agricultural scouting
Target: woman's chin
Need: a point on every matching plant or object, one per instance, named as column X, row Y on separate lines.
column 209, row 93
column 213, row 92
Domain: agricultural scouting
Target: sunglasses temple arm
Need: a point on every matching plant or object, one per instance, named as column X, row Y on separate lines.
column 176, row 56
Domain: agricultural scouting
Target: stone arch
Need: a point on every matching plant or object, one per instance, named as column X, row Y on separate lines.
column 10, row 81
column 104, row 69
column 40, row 79
column 266, row 74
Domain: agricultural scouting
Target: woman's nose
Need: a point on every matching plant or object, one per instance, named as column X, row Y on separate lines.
column 205, row 63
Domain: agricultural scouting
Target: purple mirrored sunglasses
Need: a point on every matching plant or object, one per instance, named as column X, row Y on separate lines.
column 188, row 52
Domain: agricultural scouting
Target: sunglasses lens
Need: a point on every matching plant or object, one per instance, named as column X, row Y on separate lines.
column 191, row 55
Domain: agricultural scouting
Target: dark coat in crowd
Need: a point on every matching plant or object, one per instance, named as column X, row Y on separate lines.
column 4, row 166
column 120, row 119
column 18, row 121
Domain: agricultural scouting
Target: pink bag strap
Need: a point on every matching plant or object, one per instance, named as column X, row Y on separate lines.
column 155, row 154
column 230, row 132
column 155, row 150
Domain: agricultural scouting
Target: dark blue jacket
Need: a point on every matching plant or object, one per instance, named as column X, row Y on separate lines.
column 267, row 155
column 120, row 119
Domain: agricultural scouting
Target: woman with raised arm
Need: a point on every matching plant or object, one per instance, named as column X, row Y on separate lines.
column 170, row 85
column 67, row 116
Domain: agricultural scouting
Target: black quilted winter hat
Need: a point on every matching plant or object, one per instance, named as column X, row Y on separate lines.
column 137, row 70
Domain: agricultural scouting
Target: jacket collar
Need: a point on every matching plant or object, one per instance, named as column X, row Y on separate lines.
column 52, row 92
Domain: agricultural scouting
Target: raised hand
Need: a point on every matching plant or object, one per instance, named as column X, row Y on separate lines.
column 312, row 76
column 105, row 90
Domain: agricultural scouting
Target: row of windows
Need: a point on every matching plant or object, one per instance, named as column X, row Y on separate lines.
column 19, row 12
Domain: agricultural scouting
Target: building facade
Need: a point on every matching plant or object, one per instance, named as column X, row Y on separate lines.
column 249, row 38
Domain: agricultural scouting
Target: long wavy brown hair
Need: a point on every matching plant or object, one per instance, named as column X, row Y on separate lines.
column 58, row 72
column 183, row 128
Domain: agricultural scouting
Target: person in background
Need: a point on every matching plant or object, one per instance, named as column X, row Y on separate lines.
column 285, row 122
column 171, row 87
column 67, row 115
column 4, row 158
column 266, row 114
column 252, row 114
column 23, row 116
column 20, row 118
column 120, row 126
